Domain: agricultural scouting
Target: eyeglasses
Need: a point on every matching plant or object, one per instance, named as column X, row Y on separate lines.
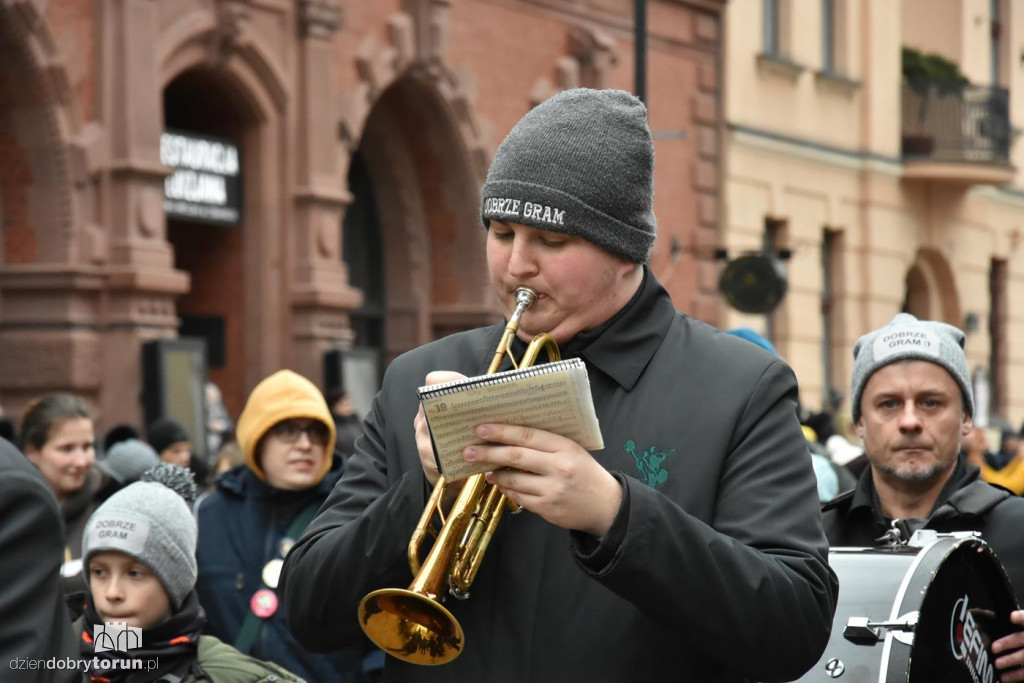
column 289, row 431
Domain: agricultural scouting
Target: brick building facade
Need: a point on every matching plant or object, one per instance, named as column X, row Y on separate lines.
column 363, row 130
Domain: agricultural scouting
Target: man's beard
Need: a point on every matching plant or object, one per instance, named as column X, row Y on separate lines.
column 914, row 473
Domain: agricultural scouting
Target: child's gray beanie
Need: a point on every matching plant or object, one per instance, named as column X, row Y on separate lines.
column 154, row 525
column 580, row 163
column 907, row 338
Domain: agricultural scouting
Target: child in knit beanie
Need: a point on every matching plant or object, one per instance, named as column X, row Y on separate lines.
column 143, row 619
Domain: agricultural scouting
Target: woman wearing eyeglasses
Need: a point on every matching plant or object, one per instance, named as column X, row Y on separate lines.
column 248, row 524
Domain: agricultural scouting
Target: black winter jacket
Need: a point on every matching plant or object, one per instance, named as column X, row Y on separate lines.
column 34, row 623
column 966, row 503
column 241, row 526
column 715, row 568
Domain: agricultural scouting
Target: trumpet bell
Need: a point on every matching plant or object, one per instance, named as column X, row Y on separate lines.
column 411, row 626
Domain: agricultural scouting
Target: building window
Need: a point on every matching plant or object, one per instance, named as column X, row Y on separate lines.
column 998, row 280
column 771, row 27
column 830, row 319
column 828, row 36
column 996, row 44
column 775, row 236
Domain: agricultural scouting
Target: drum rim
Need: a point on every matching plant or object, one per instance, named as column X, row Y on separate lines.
column 922, row 563
column 937, row 553
column 897, row 609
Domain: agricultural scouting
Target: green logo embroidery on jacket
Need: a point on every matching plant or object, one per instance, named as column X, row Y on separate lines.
column 649, row 462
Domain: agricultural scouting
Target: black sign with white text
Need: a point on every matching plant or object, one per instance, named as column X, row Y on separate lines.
column 206, row 182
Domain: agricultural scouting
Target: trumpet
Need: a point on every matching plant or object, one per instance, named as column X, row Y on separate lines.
column 412, row 624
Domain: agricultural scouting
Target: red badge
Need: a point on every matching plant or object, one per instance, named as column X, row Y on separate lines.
column 263, row 603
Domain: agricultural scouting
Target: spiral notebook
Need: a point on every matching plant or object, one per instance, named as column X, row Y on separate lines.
column 554, row 397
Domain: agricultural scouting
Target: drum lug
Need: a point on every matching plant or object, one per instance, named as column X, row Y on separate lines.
column 863, row 631
column 835, row 667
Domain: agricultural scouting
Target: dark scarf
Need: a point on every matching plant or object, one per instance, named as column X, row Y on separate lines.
column 169, row 646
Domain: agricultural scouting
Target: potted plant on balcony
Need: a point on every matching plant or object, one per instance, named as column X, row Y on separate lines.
column 927, row 75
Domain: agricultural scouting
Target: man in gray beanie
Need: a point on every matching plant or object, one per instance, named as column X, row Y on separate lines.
column 580, row 164
column 700, row 511
column 912, row 405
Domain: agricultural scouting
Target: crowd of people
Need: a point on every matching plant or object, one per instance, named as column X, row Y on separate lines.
column 701, row 530
column 150, row 534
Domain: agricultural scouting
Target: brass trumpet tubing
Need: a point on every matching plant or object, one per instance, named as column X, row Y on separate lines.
column 541, row 342
column 412, row 624
column 537, row 344
column 423, row 526
column 431, row 580
column 524, row 298
column 467, row 562
column 504, row 349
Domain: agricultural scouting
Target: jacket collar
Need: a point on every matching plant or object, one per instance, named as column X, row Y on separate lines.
column 964, row 493
column 240, row 482
column 623, row 345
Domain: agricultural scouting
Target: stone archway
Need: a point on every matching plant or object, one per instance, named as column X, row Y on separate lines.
column 44, row 253
column 240, row 276
column 930, row 289
column 37, row 116
column 412, row 125
column 435, row 277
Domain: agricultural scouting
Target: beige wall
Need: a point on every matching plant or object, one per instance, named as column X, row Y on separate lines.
column 821, row 152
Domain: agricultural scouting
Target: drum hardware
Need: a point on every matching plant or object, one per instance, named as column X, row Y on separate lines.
column 922, row 538
column 910, row 623
column 863, row 631
column 834, row 668
column 894, row 536
column 898, row 536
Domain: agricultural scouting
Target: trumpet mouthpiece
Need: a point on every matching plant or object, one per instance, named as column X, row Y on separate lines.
column 525, row 296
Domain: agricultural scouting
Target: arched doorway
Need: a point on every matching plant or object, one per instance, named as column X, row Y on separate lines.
column 415, row 213
column 206, row 224
column 38, row 238
column 918, row 297
column 930, row 289
column 364, row 255
column 35, row 194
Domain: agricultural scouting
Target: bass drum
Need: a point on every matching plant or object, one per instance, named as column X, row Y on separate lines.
column 917, row 614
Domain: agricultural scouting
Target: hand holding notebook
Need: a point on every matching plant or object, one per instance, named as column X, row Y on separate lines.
column 553, row 397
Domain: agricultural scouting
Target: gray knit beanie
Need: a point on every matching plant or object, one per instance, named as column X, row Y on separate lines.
column 153, row 524
column 127, row 460
column 580, row 163
column 907, row 338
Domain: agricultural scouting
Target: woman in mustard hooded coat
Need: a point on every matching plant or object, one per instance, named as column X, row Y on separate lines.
column 249, row 523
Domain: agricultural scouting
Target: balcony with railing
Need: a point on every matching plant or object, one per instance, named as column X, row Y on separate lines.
column 956, row 132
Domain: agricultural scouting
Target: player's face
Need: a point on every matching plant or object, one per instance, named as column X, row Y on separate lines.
column 912, row 422
column 579, row 285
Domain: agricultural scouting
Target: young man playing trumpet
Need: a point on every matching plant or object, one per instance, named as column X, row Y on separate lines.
column 692, row 536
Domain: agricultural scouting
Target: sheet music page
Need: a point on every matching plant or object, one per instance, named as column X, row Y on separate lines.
column 554, row 397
